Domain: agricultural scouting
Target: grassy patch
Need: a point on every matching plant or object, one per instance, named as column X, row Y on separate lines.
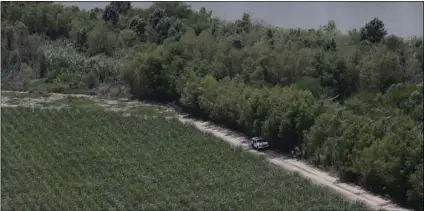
column 78, row 102
column 21, row 94
column 92, row 160
column 149, row 110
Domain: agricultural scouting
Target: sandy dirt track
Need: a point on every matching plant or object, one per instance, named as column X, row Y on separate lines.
column 236, row 140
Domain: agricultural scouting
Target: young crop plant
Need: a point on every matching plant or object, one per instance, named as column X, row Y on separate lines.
column 97, row 160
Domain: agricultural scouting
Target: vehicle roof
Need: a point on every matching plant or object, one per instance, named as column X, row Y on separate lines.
column 257, row 138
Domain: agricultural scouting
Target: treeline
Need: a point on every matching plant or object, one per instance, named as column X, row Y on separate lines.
column 346, row 102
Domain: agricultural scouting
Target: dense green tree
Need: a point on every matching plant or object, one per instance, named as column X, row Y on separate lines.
column 82, row 38
column 200, row 21
column 111, row 13
column 394, row 43
column 93, row 15
column 121, row 6
column 101, row 40
column 373, row 31
column 138, row 25
column 174, row 9
column 244, row 24
column 159, row 25
column 379, row 69
column 127, row 37
column 336, row 74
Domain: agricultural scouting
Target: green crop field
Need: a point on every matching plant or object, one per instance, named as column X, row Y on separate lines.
column 91, row 160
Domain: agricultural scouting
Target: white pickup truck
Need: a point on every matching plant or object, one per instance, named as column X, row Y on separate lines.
column 259, row 143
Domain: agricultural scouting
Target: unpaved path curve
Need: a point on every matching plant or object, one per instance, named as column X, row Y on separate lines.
column 315, row 175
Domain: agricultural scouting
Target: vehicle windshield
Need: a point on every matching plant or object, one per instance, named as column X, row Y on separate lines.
column 261, row 140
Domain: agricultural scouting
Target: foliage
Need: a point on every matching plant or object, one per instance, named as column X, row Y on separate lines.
column 379, row 69
column 22, row 56
column 374, row 152
column 111, row 13
column 373, row 31
column 122, row 6
column 138, row 25
column 127, row 37
column 101, row 40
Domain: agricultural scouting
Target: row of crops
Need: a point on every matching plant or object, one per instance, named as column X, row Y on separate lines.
column 92, row 160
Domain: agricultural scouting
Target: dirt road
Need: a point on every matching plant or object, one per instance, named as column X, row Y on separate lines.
column 316, row 176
